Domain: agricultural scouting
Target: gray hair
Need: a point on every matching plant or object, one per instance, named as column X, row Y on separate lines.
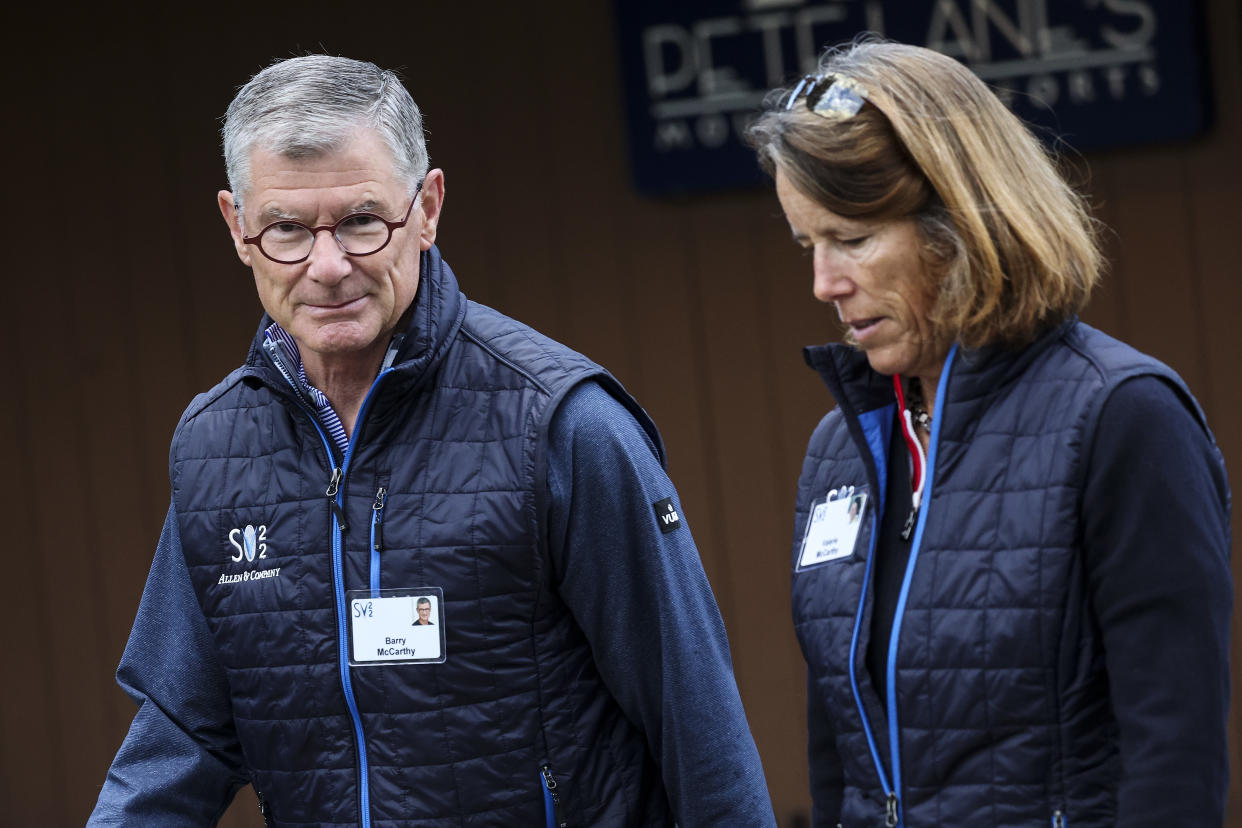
column 306, row 106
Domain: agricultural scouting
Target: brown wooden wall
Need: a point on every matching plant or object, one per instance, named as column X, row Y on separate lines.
column 126, row 299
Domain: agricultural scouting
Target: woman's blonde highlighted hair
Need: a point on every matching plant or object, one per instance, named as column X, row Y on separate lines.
column 1010, row 246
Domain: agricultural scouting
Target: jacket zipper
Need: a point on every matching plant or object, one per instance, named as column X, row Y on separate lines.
column 1058, row 819
column 336, row 501
column 334, row 486
column 342, row 630
column 264, row 808
column 552, row 794
column 893, row 817
column 862, row 713
column 377, row 536
column 278, row 359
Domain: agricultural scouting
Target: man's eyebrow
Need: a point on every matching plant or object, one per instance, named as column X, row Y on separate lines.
column 273, row 213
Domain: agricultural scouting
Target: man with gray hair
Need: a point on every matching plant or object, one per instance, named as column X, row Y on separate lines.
column 387, row 440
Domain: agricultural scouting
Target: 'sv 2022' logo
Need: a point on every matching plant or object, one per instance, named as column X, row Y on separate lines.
column 250, row 542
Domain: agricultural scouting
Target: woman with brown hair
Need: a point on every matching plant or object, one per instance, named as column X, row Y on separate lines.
column 1029, row 625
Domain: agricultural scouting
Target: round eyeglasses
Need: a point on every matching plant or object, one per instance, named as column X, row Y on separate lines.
column 358, row 234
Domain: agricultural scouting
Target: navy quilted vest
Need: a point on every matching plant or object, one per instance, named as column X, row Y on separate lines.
column 999, row 690
column 455, row 434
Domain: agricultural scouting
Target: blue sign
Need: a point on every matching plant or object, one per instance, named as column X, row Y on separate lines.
column 1093, row 73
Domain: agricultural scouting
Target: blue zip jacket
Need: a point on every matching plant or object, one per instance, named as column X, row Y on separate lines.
column 586, row 678
column 1001, row 707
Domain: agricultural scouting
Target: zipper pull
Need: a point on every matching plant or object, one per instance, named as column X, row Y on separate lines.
column 334, row 486
column 266, row 810
column 1058, row 819
column 908, row 529
column 378, row 519
column 890, row 812
column 550, row 784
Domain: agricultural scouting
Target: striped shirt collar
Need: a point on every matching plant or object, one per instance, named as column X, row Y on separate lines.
column 327, row 414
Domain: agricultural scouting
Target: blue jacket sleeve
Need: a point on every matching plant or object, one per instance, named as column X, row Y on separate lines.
column 1156, row 537
column 644, row 603
column 180, row 764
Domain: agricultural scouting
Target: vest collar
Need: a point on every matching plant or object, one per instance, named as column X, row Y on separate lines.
column 432, row 322
column 977, row 375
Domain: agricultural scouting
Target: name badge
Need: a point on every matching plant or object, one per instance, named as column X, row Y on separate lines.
column 832, row 527
column 395, row 626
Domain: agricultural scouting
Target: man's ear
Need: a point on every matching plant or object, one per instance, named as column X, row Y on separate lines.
column 433, row 203
column 228, row 209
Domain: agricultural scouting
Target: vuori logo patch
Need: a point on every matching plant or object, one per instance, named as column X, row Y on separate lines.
column 666, row 516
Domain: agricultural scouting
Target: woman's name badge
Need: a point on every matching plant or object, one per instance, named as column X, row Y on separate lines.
column 395, row 626
column 832, row 528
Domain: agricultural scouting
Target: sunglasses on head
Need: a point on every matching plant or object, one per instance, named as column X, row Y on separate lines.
column 828, row 95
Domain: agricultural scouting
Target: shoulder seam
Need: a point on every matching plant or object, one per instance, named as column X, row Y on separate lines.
column 503, row 360
column 205, row 399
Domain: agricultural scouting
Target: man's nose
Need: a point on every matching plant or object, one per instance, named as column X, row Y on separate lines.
column 327, row 262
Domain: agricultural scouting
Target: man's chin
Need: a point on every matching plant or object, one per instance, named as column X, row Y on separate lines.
column 339, row 338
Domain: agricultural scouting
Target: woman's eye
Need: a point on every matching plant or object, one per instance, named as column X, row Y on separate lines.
column 854, row 242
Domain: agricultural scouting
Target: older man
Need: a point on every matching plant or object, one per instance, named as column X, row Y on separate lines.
column 388, row 440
